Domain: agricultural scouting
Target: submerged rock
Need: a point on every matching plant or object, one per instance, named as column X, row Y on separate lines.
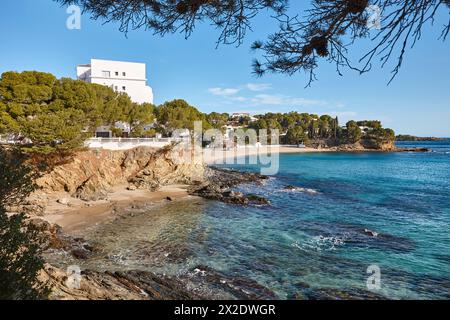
column 239, row 287
column 337, row 294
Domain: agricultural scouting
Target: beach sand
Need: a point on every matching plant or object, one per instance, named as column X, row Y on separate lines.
column 219, row 156
column 79, row 214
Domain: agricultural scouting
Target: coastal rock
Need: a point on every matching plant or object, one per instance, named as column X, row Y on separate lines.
column 214, row 192
column 219, row 183
column 81, row 254
column 413, row 150
column 129, row 285
column 337, row 294
column 50, row 235
column 239, row 287
column 91, row 174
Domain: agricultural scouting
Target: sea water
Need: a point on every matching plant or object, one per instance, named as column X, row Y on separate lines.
column 350, row 212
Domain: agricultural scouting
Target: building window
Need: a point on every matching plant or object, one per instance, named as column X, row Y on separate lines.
column 106, row 74
column 124, row 74
column 124, row 88
column 117, row 73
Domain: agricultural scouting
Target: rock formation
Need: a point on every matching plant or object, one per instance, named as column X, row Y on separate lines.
column 92, row 173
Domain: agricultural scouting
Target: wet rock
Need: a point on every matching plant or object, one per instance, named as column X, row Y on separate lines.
column 257, row 200
column 129, row 285
column 290, row 187
column 215, row 192
column 80, row 254
column 169, row 199
column 413, row 150
column 239, row 287
column 337, row 294
column 371, row 233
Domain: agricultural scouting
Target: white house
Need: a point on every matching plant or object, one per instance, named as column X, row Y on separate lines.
column 238, row 115
column 127, row 77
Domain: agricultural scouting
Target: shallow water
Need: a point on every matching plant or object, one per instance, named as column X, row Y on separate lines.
column 312, row 238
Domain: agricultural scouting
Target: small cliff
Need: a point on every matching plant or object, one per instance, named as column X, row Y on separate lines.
column 90, row 174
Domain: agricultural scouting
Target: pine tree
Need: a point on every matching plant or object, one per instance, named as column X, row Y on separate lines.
column 20, row 260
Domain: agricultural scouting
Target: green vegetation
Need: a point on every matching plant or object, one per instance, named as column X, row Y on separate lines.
column 178, row 114
column 51, row 116
column 20, row 260
column 312, row 129
column 407, row 137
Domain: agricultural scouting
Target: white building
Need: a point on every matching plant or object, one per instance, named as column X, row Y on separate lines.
column 127, row 77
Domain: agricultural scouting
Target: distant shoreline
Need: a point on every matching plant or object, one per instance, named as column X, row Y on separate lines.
column 212, row 156
column 409, row 138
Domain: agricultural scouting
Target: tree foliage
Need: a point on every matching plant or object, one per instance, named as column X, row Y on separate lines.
column 51, row 115
column 20, row 260
column 307, row 128
column 296, row 135
column 178, row 114
column 354, row 133
column 326, row 30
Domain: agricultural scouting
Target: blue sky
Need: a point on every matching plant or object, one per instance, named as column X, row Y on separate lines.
column 34, row 37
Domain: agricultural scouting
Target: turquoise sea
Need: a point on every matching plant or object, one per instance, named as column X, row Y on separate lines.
column 315, row 242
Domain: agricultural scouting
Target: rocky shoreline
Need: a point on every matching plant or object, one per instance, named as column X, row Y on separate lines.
column 89, row 178
column 218, row 185
column 92, row 175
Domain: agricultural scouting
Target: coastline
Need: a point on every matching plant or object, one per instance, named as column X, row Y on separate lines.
column 73, row 214
column 76, row 216
column 219, row 156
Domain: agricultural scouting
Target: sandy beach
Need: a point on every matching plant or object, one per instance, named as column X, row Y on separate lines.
column 220, row 156
column 78, row 214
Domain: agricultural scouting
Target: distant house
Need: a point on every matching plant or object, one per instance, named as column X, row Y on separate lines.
column 124, row 126
column 126, row 77
column 239, row 115
column 103, row 132
column 181, row 134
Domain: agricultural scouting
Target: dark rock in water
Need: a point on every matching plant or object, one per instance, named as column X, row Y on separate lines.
column 302, row 285
column 413, row 150
column 226, row 178
column 239, row 287
column 257, row 200
column 371, row 233
column 80, row 254
column 215, row 192
column 168, row 198
column 290, row 187
column 297, row 296
column 155, row 287
column 337, row 294
column 88, row 247
column 220, row 181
